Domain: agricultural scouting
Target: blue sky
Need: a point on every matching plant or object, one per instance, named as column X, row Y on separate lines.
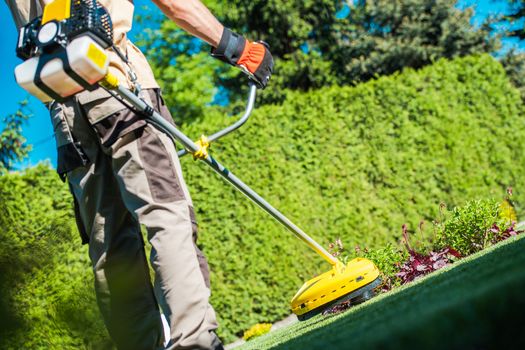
column 38, row 131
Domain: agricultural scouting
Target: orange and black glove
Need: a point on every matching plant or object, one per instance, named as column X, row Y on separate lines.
column 254, row 58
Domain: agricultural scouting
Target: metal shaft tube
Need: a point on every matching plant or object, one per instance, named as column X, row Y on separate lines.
column 267, row 207
column 225, row 173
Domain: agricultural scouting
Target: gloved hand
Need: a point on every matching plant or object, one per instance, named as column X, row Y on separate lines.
column 254, row 58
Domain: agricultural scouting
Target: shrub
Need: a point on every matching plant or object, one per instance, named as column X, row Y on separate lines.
column 46, row 284
column 474, row 226
column 399, row 267
column 388, row 260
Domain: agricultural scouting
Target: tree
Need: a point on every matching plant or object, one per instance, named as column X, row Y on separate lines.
column 383, row 36
column 377, row 37
column 287, row 25
column 510, row 25
column 514, row 64
column 294, row 29
column 315, row 44
column 13, row 145
column 515, row 14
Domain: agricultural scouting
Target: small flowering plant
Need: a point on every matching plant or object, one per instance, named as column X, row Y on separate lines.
column 257, row 330
column 337, row 249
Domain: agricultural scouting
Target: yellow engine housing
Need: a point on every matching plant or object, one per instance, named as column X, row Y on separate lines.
column 58, row 10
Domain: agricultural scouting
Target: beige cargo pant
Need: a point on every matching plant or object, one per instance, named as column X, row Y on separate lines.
column 132, row 177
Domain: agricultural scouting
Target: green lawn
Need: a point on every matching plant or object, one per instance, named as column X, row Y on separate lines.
column 478, row 303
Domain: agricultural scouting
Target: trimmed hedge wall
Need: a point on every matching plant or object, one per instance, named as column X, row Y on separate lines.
column 352, row 162
column 46, row 284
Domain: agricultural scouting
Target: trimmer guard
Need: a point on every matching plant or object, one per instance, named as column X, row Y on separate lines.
column 335, row 284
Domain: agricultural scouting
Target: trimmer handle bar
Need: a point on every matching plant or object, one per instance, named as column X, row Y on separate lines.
column 249, row 109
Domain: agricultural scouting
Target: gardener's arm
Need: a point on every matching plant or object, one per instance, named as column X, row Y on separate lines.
column 193, row 17
column 254, row 58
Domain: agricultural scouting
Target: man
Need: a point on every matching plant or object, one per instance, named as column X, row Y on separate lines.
column 124, row 173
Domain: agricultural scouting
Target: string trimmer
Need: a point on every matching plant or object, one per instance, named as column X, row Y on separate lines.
column 64, row 53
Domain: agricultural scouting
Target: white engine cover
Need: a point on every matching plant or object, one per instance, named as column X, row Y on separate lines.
column 86, row 58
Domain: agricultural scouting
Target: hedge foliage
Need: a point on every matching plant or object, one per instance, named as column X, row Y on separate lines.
column 353, row 162
column 46, row 283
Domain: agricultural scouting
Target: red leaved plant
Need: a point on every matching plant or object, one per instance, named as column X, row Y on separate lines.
column 502, row 235
column 419, row 264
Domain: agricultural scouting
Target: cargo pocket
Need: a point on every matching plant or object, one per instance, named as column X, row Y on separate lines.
column 69, row 152
column 98, row 104
column 111, row 128
column 110, row 118
column 159, row 168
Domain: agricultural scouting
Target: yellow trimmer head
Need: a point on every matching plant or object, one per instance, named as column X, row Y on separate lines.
column 352, row 282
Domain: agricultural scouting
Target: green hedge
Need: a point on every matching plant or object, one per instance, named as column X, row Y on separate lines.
column 46, row 283
column 354, row 163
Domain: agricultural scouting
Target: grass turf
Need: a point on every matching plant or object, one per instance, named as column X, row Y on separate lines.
column 477, row 303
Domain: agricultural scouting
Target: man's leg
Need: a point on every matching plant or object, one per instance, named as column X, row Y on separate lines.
column 122, row 282
column 148, row 171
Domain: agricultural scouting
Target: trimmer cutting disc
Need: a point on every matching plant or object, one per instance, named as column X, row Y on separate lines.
column 354, row 281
